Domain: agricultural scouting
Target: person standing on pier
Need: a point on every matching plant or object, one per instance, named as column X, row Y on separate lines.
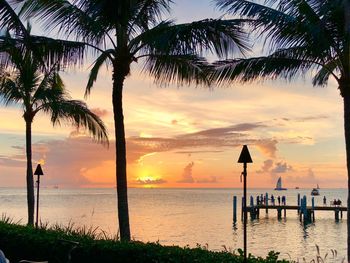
column 279, row 200
column 272, row 200
column 257, row 200
column 324, row 200
column 283, row 200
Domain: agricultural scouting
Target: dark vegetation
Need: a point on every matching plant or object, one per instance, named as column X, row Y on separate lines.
column 24, row 242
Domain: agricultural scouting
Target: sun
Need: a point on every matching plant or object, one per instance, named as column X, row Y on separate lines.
column 147, row 179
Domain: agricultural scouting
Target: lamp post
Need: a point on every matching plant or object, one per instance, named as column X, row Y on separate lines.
column 38, row 172
column 245, row 158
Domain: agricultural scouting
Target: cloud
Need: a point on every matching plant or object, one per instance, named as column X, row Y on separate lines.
column 308, row 178
column 100, row 112
column 187, row 174
column 269, row 166
column 281, row 167
column 78, row 161
column 151, row 181
column 211, row 180
column 268, row 147
column 266, row 167
column 231, row 136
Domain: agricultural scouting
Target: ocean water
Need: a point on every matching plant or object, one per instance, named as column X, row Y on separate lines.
column 192, row 217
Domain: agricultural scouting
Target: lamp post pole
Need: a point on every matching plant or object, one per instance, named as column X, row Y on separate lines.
column 245, row 158
column 38, row 172
column 245, row 210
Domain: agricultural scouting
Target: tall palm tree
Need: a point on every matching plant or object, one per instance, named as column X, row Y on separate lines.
column 131, row 31
column 48, row 53
column 302, row 35
column 26, row 81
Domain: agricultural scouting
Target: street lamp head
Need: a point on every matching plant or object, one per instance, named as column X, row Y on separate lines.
column 245, row 155
column 38, row 170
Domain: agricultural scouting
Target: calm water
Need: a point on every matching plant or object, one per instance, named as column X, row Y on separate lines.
column 190, row 217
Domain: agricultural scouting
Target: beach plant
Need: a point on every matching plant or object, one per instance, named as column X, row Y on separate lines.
column 27, row 81
column 45, row 244
column 132, row 31
column 301, row 36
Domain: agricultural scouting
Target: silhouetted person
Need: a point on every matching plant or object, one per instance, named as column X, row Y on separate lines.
column 279, row 200
column 257, row 200
column 261, row 198
column 283, row 200
column 324, row 200
column 339, row 202
column 272, row 200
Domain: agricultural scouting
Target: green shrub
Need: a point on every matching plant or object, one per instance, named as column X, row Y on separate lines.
column 22, row 242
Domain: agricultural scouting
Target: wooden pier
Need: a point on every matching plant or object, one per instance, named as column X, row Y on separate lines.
column 306, row 213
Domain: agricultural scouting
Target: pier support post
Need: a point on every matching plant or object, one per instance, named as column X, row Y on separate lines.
column 313, row 209
column 279, row 213
column 242, row 210
column 336, row 215
column 267, row 203
column 234, row 209
column 307, row 217
column 298, row 210
column 285, row 213
column 301, row 210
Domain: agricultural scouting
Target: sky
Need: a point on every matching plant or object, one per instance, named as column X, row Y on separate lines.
column 188, row 136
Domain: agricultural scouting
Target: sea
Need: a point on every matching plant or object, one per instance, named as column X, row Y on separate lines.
column 194, row 217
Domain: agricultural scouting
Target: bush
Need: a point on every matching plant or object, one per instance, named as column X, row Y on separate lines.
column 21, row 242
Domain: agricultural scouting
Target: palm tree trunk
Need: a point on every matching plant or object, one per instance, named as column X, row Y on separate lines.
column 346, row 94
column 122, row 187
column 30, row 180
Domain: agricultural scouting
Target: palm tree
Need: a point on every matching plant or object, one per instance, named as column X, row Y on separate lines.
column 131, row 31
column 26, row 81
column 302, row 36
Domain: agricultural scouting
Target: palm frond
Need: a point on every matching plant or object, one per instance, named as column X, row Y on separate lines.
column 10, row 20
column 218, row 36
column 180, row 69
column 259, row 68
column 322, row 76
column 51, row 88
column 67, row 17
column 77, row 112
column 47, row 51
column 9, row 91
column 148, row 13
column 286, row 23
column 53, row 51
column 103, row 58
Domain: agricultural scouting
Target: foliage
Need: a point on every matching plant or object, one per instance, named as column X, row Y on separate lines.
column 24, row 242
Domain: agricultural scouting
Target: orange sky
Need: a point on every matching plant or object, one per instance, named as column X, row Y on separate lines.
column 189, row 136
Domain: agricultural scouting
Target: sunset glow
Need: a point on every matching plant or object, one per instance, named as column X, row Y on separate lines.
column 188, row 136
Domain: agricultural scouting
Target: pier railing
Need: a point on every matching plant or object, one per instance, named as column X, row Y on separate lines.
column 306, row 213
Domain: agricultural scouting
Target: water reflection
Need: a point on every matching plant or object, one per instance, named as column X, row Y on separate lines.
column 190, row 216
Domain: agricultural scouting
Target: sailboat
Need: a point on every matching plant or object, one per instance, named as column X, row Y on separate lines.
column 279, row 185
